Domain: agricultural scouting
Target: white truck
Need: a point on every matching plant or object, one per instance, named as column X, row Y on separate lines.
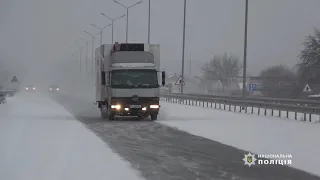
column 128, row 80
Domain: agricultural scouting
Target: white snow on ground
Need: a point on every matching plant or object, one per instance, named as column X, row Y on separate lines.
column 257, row 134
column 291, row 115
column 40, row 140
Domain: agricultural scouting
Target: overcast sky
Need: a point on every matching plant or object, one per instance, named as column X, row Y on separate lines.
column 36, row 36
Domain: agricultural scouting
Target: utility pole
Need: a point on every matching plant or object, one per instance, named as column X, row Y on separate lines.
column 149, row 20
column 93, row 37
column 244, row 76
column 183, row 46
column 190, row 66
column 86, row 57
column 80, row 52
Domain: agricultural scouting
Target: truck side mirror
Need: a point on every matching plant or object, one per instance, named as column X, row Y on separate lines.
column 103, row 78
column 163, row 78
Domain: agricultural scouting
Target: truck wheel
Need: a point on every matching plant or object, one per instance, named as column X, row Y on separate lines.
column 154, row 117
column 111, row 117
column 104, row 112
column 104, row 115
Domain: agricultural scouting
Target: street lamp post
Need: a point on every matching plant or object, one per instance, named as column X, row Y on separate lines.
column 244, row 77
column 112, row 21
column 86, row 53
column 93, row 37
column 100, row 31
column 127, row 8
column 101, row 49
column 79, row 57
column 183, row 46
column 149, row 19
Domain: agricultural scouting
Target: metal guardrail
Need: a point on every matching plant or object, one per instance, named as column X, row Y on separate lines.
column 249, row 104
column 300, row 102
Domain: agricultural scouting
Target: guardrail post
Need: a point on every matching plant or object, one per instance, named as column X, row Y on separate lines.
column 310, row 118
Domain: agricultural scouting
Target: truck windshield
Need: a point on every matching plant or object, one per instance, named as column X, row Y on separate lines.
column 134, row 78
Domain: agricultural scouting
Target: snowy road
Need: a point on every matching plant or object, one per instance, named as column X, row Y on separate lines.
column 161, row 152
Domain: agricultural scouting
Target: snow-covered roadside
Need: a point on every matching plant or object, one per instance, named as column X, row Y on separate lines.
column 41, row 140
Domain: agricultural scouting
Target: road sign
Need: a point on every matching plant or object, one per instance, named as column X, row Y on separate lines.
column 14, row 79
column 307, row 88
column 252, row 87
column 179, row 81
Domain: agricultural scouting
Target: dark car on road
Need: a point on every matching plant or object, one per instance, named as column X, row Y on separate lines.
column 30, row 88
column 54, row 88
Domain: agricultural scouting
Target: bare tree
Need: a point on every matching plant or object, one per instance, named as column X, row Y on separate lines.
column 279, row 81
column 222, row 67
column 309, row 65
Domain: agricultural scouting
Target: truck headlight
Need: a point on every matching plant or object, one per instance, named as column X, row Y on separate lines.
column 116, row 106
column 57, row 89
column 27, row 88
column 154, row 106
column 50, row 89
column 34, row 88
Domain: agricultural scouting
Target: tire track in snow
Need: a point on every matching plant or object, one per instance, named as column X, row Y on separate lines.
column 164, row 153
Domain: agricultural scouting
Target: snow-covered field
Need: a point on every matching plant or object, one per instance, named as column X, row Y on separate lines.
column 291, row 115
column 41, row 140
column 257, row 134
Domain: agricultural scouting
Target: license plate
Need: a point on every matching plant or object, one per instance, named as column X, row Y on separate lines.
column 135, row 106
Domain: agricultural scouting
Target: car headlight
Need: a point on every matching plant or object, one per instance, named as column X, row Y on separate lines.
column 154, row 106
column 34, row 88
column 50, row 89
column 57, row 89
column 27, row 88
column 116, row 106
column 144, row 109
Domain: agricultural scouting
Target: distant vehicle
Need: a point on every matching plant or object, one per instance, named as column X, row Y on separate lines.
column 30, row 88
column 54, row 88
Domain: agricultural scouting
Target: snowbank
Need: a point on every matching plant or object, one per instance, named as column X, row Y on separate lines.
column 257, row 134
column 41, row 140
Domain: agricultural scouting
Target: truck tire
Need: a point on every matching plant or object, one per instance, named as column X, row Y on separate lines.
column 111, row 117
column 154, row 117
column 104, row 115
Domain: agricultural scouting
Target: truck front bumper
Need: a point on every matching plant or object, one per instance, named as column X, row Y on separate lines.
column 128, row 111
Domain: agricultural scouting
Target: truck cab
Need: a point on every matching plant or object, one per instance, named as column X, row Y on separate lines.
column 128, row 80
